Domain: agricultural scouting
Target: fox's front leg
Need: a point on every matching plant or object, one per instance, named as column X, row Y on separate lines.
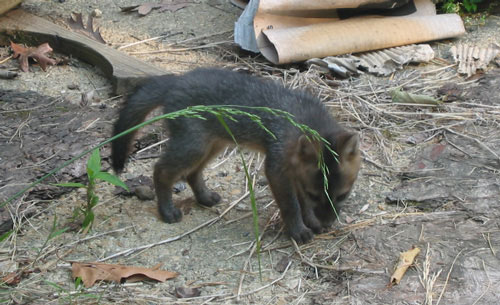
column 285, row 195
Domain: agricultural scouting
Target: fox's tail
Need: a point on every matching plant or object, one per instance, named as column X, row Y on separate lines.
column 139, row 104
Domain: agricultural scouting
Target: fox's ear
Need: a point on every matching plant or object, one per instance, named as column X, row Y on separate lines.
column 308, row 150
column 348, row 144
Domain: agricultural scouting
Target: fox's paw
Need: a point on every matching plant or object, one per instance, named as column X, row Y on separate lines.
column 313, row 223
column 302, row 234
column 209, row 199
column 170, row 214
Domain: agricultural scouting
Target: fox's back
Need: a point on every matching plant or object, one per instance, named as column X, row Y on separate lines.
column 207, row 86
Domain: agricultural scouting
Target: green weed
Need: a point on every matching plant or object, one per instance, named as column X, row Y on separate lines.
column 460, row 6
column 222, row 113
column 94, row 173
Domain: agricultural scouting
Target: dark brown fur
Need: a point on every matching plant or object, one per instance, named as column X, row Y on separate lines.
column 291, row 164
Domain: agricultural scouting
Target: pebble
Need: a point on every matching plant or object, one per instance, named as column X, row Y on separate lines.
column 96, row 13
column 144, row 192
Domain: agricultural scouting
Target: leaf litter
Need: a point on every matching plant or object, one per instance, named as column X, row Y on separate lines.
column 368, row 251
column 166, row 5
column 90, row 273
column 75, row 21
column 39, row 54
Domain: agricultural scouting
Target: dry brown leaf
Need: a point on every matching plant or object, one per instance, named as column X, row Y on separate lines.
column 166, row 5
column 75, row 21
column 405, row 260
column 92, row 272
column 38, row 54
column 11, row 279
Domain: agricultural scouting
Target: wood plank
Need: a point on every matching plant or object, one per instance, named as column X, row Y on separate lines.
column 6, row 5
column 123, row 70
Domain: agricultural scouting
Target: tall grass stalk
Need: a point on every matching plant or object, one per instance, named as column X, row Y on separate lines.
column 222, row 113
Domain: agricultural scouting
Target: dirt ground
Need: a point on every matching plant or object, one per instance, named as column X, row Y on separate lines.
column 430, row 179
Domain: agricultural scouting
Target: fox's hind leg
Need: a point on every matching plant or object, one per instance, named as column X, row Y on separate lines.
column 184, row 154
column 204, row 196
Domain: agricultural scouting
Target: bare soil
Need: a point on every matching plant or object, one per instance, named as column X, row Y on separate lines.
column 430, row 179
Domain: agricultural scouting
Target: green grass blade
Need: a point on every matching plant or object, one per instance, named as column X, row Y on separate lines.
column 111, row 179
column 70, row 184
column 94, row 164
column 5, row 235
column 252, row 193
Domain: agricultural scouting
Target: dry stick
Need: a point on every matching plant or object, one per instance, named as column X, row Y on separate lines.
column 249, row 165
column 140, row 42
column 39, row 163
column 240, row 285
column 224, row 159
column 265, row 286
column 437, row 70
column 475, row 140
column 127, row 252
column 303, row 258
column 200, row 37
column 18, row 130
column 427, row 280
column 152, row 146
column 245, row 265
column 487, row 288
column 5, row 60
column 230, row 296
column 208, row 45
column 491, row 246
column 448, row 277
column 316, row 266
column 82, row 129
column 90, row 237
column 32, row 108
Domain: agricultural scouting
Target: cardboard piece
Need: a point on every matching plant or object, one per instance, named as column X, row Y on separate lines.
column 297, row 30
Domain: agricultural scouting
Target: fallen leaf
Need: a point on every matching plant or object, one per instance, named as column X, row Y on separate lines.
column 364, row 208
column 401, row 97
column 282, row 264
column 405, row 260
column 11, row 279
column 92, row 272
column 75, row 21
column 166, row 5
column 186, row 292
column 349, row 219
column 38, row 54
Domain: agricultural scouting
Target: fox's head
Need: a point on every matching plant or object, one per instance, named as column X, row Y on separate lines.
column 340, row 171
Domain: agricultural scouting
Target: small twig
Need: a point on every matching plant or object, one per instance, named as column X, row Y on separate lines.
column 475, row 140
column 208, row 45
column 128, row 252
column 224, row 159
column 38, row 163
column 18, row 130
column 487, row 288
column 33, row 108
column 265, row 286
column 141, row 42
column 489, row 244
column 152, row 146
column 448, row 277
column 85, row 128
column 200, row 37
column 438, row 69
column 5, row 59
column 247, row 262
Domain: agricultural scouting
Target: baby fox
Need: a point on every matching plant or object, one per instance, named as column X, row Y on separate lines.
column 291, row 164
